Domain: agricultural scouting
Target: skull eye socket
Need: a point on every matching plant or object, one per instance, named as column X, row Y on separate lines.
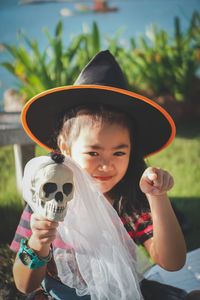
column 67, row 188
column 49, row 188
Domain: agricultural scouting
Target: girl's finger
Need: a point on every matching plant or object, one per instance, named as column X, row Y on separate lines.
column 46, row 224
column 164, row 181
column 171, row 182
column 38, row 222
column 44, row 236
column 167, row 184
column 44, row 241
column 158, row 181
column 44, row 233
column 167, row 181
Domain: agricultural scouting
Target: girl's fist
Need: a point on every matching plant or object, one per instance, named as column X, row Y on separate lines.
column 43, row 232
column 156, row 181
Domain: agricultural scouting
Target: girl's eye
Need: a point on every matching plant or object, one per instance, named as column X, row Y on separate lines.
column 119, row 153
column 92, row 153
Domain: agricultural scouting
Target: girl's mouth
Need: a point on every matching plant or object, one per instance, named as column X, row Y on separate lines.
column 103, row 178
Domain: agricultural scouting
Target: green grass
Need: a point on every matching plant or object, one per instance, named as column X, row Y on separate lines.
column 182, row 160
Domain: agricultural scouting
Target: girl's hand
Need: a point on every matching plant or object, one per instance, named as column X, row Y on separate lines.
column 156, row 181
column 43, row 234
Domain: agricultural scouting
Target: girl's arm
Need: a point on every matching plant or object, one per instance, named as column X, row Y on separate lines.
column 43, row 234
column 167, row 246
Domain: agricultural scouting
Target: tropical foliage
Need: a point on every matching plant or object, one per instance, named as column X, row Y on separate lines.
column 156, row 63
column 167, row 65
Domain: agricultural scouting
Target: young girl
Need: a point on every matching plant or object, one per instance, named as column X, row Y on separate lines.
column 108, row 131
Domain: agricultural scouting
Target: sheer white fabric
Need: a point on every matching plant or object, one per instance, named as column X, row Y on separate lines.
column 100, row 259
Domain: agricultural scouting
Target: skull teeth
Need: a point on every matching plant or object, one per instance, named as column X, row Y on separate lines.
column 55, row 209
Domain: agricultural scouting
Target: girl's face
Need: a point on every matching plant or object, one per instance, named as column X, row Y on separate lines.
column 103, row 151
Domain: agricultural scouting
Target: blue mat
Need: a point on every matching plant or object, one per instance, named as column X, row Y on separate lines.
column 188, row 278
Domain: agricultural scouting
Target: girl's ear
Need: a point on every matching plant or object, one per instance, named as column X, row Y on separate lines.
column 62, row 146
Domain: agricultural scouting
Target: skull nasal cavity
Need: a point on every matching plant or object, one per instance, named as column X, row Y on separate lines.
column 59, row 196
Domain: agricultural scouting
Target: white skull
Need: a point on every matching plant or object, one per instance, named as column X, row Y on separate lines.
column 53, row 188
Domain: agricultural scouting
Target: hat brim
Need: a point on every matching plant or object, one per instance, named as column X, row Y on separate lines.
column 155, row 127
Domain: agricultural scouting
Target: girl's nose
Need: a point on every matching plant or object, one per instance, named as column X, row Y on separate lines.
column 105, row 166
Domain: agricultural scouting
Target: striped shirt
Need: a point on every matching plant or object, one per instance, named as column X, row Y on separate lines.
column 139, row 227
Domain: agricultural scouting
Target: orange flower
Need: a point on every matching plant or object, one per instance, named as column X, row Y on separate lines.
column 158, row 58
column 2, row 47
column 198, row 55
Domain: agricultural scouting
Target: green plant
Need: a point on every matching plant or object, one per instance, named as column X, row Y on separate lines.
column 113, row 43
column 159, row 65
column 56, row 66
column 91, row 44
column 164, row 65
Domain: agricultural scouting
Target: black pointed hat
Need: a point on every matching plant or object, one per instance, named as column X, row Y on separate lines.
column 100, row 82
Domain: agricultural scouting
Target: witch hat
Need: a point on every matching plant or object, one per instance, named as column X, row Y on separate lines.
column 100, row 82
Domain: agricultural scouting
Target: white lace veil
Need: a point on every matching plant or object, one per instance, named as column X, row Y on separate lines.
column 101, row 258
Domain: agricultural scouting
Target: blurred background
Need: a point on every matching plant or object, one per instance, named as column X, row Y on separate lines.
column 44, row 44
column 122, row 21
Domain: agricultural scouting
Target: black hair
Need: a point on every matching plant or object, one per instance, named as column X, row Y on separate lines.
column 127, row 196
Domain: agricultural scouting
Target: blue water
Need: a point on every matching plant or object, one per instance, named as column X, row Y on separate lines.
column 134, row 15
